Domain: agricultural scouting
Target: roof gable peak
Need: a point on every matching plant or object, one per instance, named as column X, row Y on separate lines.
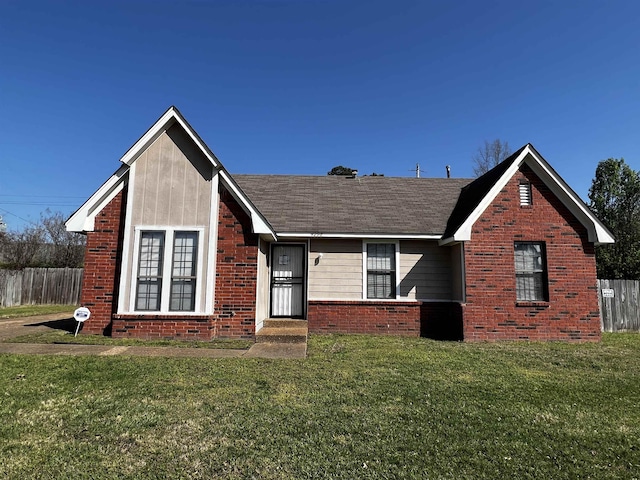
column 169, row 118
column 478, row 195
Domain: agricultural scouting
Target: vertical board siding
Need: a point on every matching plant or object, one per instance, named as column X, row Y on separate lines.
column 620, row 313
column 40, row 286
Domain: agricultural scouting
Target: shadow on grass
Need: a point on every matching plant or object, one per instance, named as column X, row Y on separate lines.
column 66, row 324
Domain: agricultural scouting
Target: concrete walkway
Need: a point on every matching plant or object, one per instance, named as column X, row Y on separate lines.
column 14, row 327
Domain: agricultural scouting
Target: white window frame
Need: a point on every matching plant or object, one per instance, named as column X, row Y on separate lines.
column 365, row 244
column 169, row 236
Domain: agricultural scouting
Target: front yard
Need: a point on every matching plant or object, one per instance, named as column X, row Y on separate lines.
column 357, row 407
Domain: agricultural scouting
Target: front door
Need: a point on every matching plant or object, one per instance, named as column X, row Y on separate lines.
column 287, row 280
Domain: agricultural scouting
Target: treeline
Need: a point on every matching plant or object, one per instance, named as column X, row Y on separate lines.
column 43, row 244
column 615, row 199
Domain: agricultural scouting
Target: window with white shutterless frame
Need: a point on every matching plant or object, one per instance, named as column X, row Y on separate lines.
column 167, row 272
column 380, row 269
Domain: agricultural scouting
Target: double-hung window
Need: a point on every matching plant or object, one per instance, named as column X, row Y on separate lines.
column 381, row 270
column 150, row 266
column 531, row 272
column 167, row 271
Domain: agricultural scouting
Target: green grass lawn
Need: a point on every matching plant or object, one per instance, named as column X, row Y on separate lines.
column 357, row 407
column 31, row 310
column 61, row 336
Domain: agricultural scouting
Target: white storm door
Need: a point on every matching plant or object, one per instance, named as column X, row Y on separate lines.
column 287, row 281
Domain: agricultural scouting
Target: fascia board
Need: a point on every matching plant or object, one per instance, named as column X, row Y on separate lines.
column 463, row 233
column 447, row 241
column 82, row 220
column 384, row 236
column 598, row 233
column 258, row 222
column 170, row 117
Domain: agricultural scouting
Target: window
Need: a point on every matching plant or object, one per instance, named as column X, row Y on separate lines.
column 150, row 271
column 183, row 277
column 531, row 274
column 178, row 265
column 381, row 270
column 525, row 193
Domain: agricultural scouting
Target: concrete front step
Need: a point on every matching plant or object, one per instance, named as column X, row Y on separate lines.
column 285, row 322
column 283, row 331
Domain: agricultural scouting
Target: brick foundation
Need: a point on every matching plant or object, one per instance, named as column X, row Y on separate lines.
column 437, row 319
column 198, row 327
column 491, row 311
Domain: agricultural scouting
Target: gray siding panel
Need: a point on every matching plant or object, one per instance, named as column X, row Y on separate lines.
column 425, row 271
column 172, row 187
column 338, row 274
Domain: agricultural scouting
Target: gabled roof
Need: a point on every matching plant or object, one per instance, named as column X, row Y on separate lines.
column 82, row 220
column 338, row 206
column 478, row 195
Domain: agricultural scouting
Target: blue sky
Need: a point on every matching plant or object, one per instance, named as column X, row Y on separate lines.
column 299, row 87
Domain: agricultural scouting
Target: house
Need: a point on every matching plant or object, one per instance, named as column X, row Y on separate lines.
column 179, row 247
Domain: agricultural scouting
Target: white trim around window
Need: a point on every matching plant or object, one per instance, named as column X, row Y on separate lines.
column 395, row 268
column 169, row 235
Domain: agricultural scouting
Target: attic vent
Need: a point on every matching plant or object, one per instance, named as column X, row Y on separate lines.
column 525, row 193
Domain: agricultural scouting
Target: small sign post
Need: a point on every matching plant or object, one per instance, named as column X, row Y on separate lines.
column 608, row 293
column 81, row 315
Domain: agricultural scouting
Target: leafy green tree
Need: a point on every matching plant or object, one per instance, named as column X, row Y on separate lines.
column 615, row 199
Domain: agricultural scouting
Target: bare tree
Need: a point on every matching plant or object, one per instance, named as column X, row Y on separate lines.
column 20, row 249
column 63, row 248
column 490, row 155
column 45, row 244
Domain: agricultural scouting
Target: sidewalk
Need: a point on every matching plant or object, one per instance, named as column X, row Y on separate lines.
column 14, row 327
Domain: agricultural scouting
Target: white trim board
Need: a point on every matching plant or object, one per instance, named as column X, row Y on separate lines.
column 597, row 232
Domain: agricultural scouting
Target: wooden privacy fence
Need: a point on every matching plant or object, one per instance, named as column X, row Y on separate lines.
column 35, row 286
column 619, row 305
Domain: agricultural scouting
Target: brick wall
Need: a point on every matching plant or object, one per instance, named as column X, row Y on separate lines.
column 491, row 311
column 195, row 327
column 101, row 261
column 437, row 319
column 236, row 271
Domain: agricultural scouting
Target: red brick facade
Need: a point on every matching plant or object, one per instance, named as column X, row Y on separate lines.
column 437, row 319
column 198, row 327
column 236, row 278
column 235, row 288
column 491, row 311
column 236, row 271
column 101, row 266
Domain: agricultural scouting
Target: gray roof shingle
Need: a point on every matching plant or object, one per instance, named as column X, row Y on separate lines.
column 370, row 205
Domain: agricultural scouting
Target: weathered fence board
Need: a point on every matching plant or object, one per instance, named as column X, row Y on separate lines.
column 10, row 288
column 619, row 305
column 33, row 286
